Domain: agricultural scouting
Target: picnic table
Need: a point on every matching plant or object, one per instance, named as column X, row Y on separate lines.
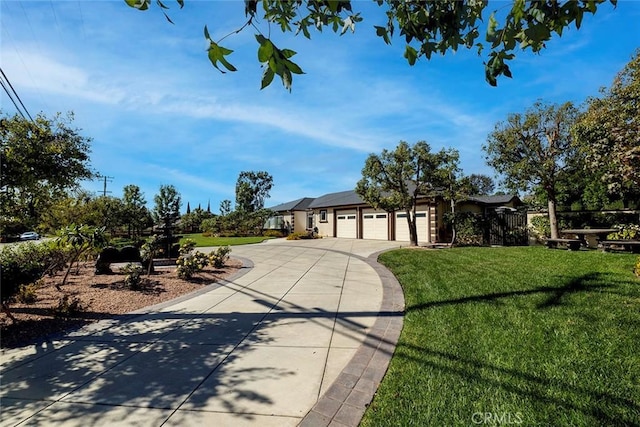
column 582, row 233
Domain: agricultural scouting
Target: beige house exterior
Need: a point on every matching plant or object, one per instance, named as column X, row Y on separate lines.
column 344, row 214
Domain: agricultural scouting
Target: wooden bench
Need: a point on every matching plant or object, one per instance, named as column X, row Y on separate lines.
column 571, row 244
column 627, row 245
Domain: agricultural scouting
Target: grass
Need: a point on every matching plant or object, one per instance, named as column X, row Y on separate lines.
column 202, row 241
column 525, row 336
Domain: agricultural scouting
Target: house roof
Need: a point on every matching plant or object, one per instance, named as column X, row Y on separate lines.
column 501, row 199
column 350, row 198
column 342, row 198
column 295, row 205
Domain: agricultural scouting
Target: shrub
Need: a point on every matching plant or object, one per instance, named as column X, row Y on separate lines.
column 273, row 233
column 27, row 263
column 187, row 246
column 218, row 259
column 625, row 232
column 469, row 228
column 27, row 293
column 636, row 269
column 133, row 278
column 298, row 235
column 68, row 307
column 190, row 264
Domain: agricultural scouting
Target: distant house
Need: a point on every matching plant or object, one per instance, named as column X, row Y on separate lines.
column 344, row 214
column 291, row 216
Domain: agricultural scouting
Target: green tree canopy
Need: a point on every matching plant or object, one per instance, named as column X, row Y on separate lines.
column 394, row 180
column 136, row 215
column 252, row 188
column 166, row 211
column 535, row 150
column 426, row 27
column 609, row 130
column 39, row 160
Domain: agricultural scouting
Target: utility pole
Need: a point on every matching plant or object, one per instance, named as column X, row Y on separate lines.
column 105, row 180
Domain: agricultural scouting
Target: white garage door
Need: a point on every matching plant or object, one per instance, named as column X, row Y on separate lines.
column 374, row 224
column 402, row 228
column 346, row 224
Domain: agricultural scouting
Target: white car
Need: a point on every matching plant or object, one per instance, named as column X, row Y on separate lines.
column 29, row 235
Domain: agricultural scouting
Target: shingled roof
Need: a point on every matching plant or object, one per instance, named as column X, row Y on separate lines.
column 295, row 205
column 342, row 198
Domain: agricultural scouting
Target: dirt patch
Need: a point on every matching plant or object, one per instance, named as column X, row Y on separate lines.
column 99, row 297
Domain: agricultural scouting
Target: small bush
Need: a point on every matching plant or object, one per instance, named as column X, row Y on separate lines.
column 27, row 263
column 133, row 278
column 68, row 307
column 218, row 259
column 187, row 246
column 27, row 293
column 273, row 233
column 190, row 264
column 636, row 269
column 302, row 235
column 625, row 232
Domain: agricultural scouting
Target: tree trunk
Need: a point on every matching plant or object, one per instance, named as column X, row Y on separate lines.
column 413, row 232
column 553, row 219
column 453, row 222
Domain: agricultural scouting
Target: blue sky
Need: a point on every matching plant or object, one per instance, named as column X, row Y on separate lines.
column 159, row 113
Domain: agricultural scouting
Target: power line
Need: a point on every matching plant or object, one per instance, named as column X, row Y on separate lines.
column 106, row 179
column 6, row 79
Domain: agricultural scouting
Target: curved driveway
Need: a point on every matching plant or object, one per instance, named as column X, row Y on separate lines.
column 302, row 335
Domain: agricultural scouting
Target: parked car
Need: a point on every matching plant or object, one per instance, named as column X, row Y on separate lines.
column 29, row 235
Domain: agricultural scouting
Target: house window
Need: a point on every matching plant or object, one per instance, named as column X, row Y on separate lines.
column 323, row 215
column 309, row 220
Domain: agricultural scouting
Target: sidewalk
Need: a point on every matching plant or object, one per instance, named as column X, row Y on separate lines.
column 303, row 336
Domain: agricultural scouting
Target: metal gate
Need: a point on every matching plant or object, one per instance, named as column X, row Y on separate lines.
column 507, row 228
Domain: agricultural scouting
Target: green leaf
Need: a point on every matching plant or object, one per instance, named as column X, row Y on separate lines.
column 293, row 67
column 491, row 29
column 267, row 77
column 206, row 33
column 411, row 55
column 217, row 54
column 287, row 53
column 382, row 32
column 139, row 4
column 265, row 51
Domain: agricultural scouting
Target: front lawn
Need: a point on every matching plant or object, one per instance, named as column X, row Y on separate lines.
column 513, row 336
column 202, row 241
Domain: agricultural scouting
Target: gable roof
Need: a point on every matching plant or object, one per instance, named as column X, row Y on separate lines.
column 295, row 205
column 342, row 198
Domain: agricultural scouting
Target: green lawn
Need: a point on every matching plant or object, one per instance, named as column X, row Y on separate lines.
column 202, row 241
column 513, row 336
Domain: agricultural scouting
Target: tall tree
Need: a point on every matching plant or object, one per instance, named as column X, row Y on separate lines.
column 609, row 130
column 478, row 185
column 137, row 216
column 427, row 27
column 39, row 161
column 394, row 180
column 225, row 207
column 167, row 206
column 252, row 188
column 535, row 150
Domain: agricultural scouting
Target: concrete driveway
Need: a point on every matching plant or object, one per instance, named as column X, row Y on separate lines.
column 302, row 335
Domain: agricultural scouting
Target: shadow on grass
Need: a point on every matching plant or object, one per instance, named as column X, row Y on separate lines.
column 556, row 294
column 605, row 407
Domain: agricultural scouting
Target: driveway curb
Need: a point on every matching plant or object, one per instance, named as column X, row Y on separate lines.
column 346, row 400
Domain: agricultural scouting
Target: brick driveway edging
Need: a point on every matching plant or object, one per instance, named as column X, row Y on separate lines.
column 346, row 400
